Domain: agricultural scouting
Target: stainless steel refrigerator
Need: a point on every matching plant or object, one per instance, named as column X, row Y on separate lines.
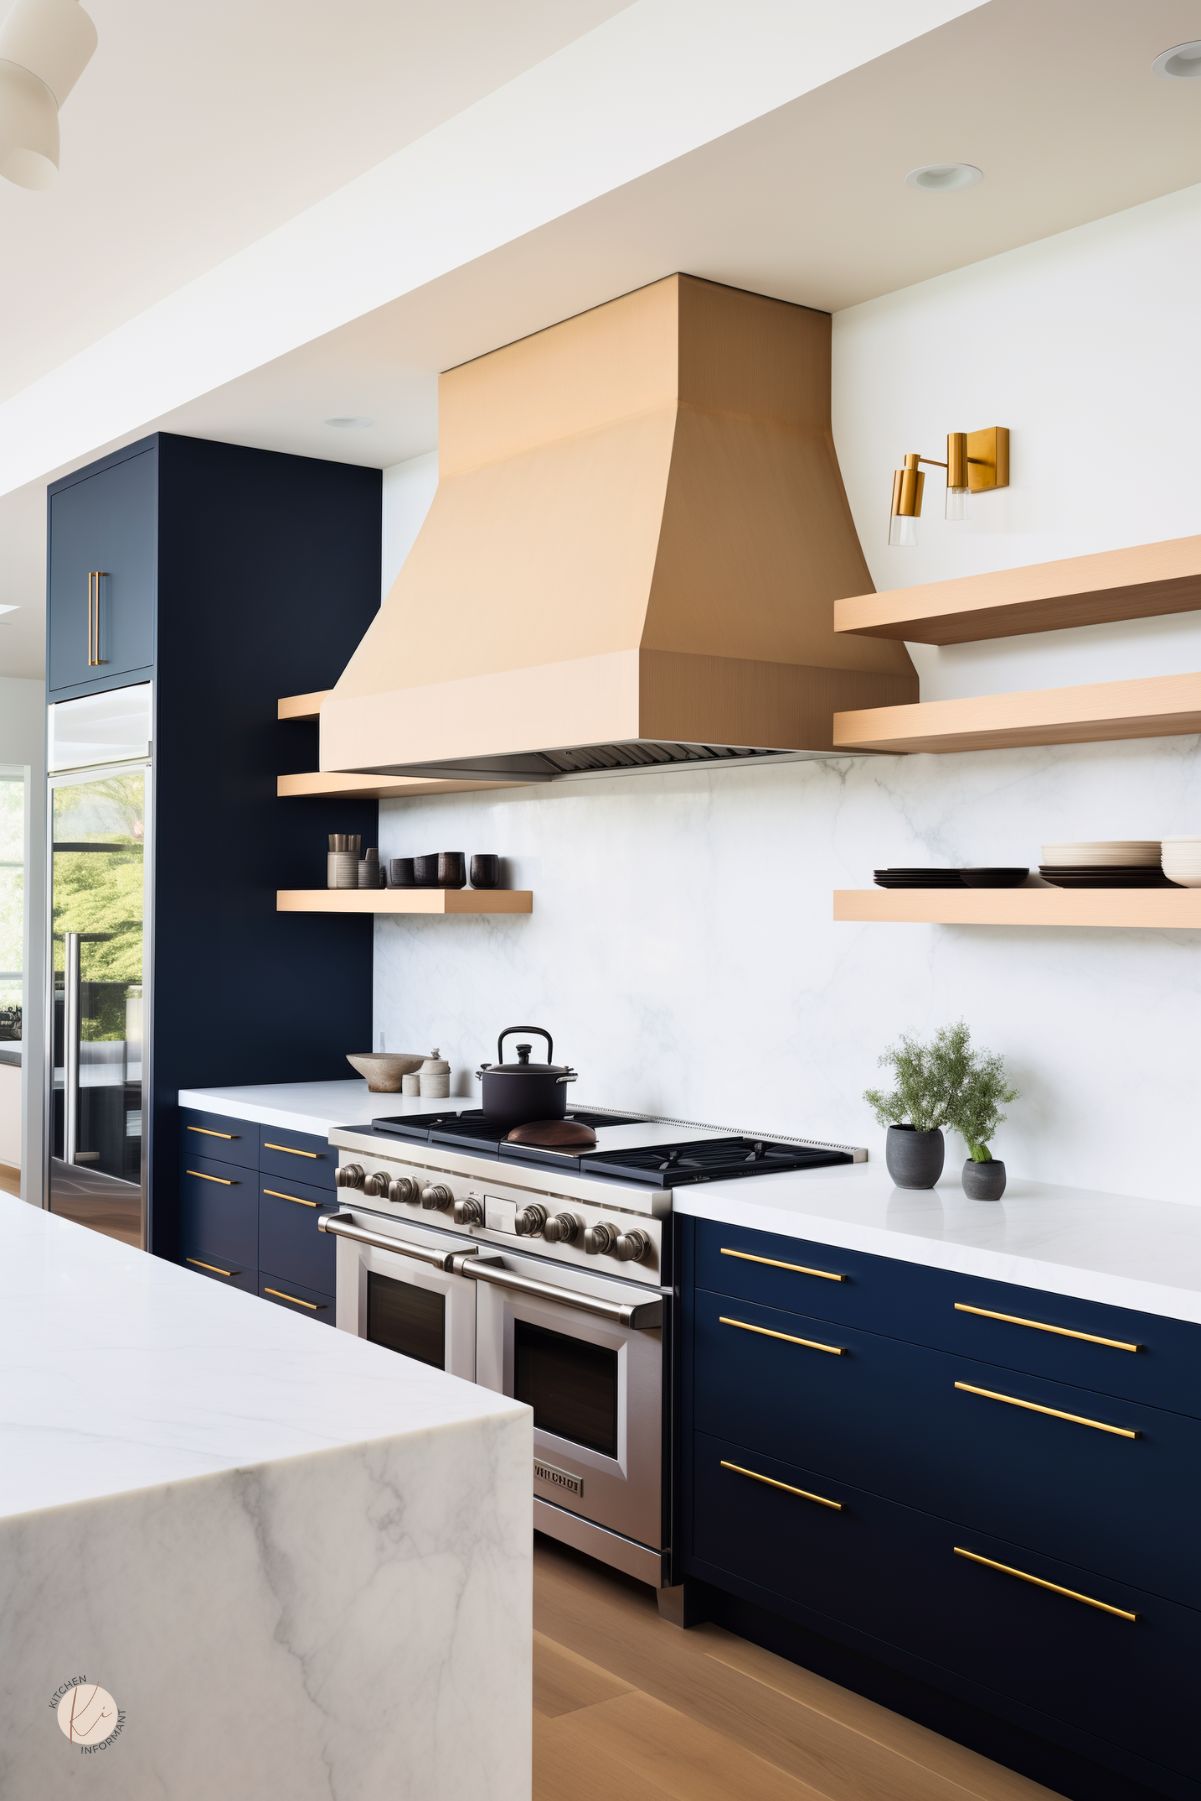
column 98, row 968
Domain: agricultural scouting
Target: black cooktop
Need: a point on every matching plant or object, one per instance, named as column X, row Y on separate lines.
column 654, row 1155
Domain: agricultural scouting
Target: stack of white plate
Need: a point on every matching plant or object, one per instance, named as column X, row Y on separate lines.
column 1182, row 861
column 1103, row 863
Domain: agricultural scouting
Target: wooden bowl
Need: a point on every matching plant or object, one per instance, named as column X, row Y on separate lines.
column 384, row 1069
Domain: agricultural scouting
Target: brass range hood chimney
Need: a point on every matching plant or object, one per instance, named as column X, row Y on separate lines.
column 631, row 560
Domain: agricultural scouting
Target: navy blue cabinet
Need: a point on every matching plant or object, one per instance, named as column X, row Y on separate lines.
column 988, row 1488
column 225, row 577
column 102, row 575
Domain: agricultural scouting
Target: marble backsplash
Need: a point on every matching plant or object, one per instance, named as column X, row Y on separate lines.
column 683, row 954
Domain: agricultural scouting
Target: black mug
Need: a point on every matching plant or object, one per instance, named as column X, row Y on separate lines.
column 425, row 872
column 400, row 872
column 485, row 870
column 452, row 869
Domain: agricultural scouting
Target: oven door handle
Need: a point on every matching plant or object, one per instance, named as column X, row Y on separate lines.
column 342, row 1225
column 643, row 1316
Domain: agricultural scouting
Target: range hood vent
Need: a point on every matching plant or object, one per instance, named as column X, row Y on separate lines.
column 631, row 560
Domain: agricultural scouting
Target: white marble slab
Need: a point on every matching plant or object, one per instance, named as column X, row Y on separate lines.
column 300, row 1564
column 1103, row 1247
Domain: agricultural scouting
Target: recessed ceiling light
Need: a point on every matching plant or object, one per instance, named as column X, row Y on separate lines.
column 1182, row 62
column 944, row 178
column 349, row 422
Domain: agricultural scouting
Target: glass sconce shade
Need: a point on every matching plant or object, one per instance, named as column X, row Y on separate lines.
column 901, row 531
column 956, row 507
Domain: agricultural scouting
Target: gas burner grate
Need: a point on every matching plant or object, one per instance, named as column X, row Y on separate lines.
column 707, row 1160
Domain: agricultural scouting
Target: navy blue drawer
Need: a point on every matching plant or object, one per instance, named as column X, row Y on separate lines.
column 213, row 1135
column 309, row 1302
column 1043, row 1633
column 1137, row 1356
column 218, row 1204
column 246, row 1279
column 1104, row 1483
column 298, row 1156
column 289, row 1242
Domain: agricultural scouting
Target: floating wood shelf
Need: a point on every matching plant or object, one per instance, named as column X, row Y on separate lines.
column 301, row 706
column 1156, row 706
column 1136, row 583
column 404, row 900
column 328, row 785
column 1162, row 909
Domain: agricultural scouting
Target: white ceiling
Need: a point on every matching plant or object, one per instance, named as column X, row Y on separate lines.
column 1057, row 104
column 198, row 128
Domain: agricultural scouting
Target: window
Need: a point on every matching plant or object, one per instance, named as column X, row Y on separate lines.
column 12, row 901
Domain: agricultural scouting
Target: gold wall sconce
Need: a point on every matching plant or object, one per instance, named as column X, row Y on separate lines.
column 976, row 461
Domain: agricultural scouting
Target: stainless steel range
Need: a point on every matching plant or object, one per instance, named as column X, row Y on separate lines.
column 544, row 1274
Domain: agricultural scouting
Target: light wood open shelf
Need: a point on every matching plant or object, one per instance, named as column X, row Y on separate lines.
column 1156, row 706
column 404, row 900
column 331, row 785
column 1134, row 583
column 301, row 706
column 1157, row 909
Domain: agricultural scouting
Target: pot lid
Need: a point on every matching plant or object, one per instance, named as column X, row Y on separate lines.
column 523, row 1066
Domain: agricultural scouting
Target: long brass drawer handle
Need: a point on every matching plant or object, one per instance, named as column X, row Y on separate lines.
column 786, row 1487
column 295, row 1299
column 214, row 1267
column 798, row 1269
column 1037, row 1325
column 810, row 1344
column 291, row 1151
column 225, row 1181
column 277, row 1194
column 207, row 1132
column 1055, row 1413
column 1054, row 1588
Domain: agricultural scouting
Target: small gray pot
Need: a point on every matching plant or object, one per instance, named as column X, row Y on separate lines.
column 984, row 1181
column 914, row 1159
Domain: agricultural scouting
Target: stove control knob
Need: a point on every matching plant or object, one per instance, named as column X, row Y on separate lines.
column 530, row 1221
column 376, row 1183
column 598, row 1239
column 436, row 1197
column 469, row 1212
column 561, row 1228
column 631, row 1247
column 403, row 1190
column 350, row 1175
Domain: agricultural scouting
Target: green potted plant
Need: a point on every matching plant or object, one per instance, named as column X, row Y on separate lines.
column 975, row 1113
column 926, row 1082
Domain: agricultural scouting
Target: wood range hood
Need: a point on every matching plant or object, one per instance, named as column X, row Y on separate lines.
column 631, row 560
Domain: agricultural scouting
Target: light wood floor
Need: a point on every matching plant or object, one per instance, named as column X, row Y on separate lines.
column 628, row 1708
column 10, row 1179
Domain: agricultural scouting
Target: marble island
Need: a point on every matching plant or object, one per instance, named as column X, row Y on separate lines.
column 298, row 1564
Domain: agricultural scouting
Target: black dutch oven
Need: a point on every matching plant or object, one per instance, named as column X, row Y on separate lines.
column 513, row 1094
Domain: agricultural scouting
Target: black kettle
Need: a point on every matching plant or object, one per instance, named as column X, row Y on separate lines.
column 513, row 1094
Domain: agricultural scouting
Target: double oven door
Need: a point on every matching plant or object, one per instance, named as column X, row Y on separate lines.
column 583, row 1351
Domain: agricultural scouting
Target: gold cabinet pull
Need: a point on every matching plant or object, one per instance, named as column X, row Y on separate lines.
column 810, row 1344
column 277, row 1194
column 798, row 1269
column 95, row 577
column 786, row 1487
column 1054, row 1413
column 225, row 1181
column 1054, row 1588
column 295, row 1299
column 214, row 1267
column 1037, row 1325
column 91, row 658
column 208, row 1132
column 291, row 1151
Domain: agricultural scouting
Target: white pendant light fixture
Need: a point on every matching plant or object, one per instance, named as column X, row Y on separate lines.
column 45, row 45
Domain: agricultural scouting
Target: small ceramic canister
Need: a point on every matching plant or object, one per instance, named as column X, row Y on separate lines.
column 342, row 869
column 411, row 1084
column 435, row 1077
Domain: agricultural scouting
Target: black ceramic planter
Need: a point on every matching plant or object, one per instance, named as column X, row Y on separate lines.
column 984, row 1181
column 914, row 1159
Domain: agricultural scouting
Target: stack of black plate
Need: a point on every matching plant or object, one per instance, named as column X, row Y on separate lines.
column 950, row 878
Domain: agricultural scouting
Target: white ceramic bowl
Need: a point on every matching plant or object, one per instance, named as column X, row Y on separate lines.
column 1184, row 870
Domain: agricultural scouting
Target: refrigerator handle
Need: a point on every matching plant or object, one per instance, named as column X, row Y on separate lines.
column 71, row 1029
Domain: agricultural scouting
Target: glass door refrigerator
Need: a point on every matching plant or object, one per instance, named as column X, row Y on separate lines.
column 100, row 771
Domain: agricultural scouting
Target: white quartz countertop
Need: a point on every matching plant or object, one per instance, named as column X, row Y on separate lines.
column 307, row 1106
column 120, row 1371
column 1112, row 1248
